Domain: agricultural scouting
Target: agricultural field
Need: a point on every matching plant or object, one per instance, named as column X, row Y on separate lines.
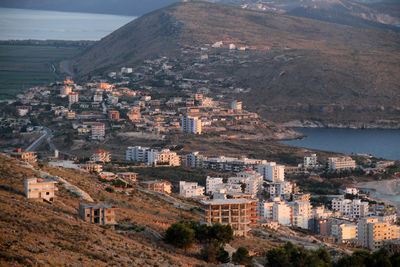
column 22, row 66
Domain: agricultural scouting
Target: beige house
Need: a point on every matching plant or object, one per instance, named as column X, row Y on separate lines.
column 40, row 188
column 25, row 156
column 130, row 177
column 102, row 214
column 158, row 186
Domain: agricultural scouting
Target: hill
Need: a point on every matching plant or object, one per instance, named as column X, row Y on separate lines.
column 42, row 234
column 347, row 12
column 307, row 70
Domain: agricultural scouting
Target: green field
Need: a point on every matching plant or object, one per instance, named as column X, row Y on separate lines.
column 23, row 66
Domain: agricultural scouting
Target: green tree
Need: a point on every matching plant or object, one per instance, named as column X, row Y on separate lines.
column 395, row 259
column 323, row 255
column 223, row 255
column 381, row 258
column 277, row 257
column 241, row 256
column 222, row 233
column 180, row 235
column 209, row 252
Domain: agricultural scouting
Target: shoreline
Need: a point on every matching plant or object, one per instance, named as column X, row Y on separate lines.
column 377, row 125
column 382, row 191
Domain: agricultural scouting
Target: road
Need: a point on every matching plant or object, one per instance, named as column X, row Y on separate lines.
column 47, row 134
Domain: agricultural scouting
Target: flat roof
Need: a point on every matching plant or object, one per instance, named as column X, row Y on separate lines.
column 225, row 201
column 96, row 205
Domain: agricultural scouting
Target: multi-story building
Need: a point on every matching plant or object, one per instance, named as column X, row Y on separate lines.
column 223, row 163
column 301, row 213
column 137, row 153
column 40, row 188
column 98, row 97
column 341, row 163
column 272, row 172
column 113, row 115
column 91, row 166
column 65, row 90
column 24, row 155
column 344, row 232
column 194, row 160
column 73, row 97
column 252, row 180
column 98, row 131
column 212, row 184
column 236, row 105
column 100, row 156
column 281, row 189
column 191, row 125
column 130, row 177
column 102, row 214
column 352, row 208
column 158, row 186
column 238, row 213
column 163, row 157
column 310, row 161
column 372, row 233
column 190, row 189
column 134, row 113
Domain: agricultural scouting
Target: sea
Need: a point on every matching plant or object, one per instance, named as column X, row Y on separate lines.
column 24, row 24
column 379, row 143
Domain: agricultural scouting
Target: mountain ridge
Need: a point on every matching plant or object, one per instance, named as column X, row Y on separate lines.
column 306, row 61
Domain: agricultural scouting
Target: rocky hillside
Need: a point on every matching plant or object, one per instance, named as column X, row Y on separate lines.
column 43, row 234
column 347, row 12
column 307, row 67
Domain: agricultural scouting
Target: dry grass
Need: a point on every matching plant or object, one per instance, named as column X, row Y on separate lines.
column 52, row 234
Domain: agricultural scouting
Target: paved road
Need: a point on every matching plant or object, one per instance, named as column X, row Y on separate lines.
column 47, row 134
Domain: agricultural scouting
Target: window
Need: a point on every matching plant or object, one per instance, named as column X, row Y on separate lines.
column 47, row 193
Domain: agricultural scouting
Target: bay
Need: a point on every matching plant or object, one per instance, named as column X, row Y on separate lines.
column 23, row 24
column 378, row 142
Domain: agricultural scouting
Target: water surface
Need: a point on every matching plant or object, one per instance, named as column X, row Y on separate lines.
column 22, row 24
column 379, row 143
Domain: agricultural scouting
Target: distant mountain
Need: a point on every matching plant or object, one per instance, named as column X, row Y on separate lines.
column 310, row 62
column 373, row 15
column 120, row 7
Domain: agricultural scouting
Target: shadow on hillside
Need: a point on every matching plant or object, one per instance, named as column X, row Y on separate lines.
column 12, row 190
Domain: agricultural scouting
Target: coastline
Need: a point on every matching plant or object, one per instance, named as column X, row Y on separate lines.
column 383, row 124
column 382, row 191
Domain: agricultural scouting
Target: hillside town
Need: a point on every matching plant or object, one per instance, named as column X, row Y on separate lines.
column 249, row 194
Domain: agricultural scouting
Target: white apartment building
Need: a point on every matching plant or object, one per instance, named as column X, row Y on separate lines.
column 301, row 213
column 191, row 125
column 281, row 189
column 137, row 153
column 65, row 90
column 343, row 232
column 73, row 98
column 194, row 160
column 212, row 184
column 353, row 209
column 281, row 213
column 97, row 97
column 252, row 179
column 236, row 105
column 190, row 189
column 272, row 172
column 351, row 191
column 341, row 163
column 310, row 161
column 98, row 131
column 372, row 233
column 163, row 157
